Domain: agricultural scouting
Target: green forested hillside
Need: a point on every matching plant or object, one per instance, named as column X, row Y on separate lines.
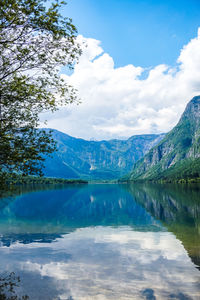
column 177, row 156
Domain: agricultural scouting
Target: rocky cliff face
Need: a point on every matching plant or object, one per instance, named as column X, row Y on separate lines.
column 177, row 152
column 192, row 110
column 78, row 158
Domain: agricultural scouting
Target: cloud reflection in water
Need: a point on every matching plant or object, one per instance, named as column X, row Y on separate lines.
column 105, row 263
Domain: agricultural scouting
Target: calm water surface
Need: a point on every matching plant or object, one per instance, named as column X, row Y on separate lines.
column 103, row 242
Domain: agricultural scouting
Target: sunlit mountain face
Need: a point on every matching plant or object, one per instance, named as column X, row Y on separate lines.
column 177, row 156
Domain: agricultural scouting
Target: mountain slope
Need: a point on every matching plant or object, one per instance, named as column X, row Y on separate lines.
column 78, row 158
column 178, row 154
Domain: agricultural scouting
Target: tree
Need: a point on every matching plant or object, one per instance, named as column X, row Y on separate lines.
column 8, row 285
column 35, row 42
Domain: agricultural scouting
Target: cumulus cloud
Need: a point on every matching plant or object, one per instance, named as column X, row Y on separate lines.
column 120, row 102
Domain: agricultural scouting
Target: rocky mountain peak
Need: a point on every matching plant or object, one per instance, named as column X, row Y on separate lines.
column 178, row 154
column 192, row 109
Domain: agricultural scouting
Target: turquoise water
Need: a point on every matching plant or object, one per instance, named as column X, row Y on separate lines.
column 103, row 241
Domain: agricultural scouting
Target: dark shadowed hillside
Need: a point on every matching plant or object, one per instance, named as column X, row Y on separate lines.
column 78, row 158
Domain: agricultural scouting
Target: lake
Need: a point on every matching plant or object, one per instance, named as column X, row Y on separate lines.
column 103, row 241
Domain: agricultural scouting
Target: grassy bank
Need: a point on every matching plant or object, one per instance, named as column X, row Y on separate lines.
column 27, row 180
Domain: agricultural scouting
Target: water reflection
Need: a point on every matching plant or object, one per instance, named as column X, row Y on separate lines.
column 103, row 242
column 60, row 211
column 177, row 207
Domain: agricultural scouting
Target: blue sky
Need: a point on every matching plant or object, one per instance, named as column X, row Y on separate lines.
column 140, row 68
column 145, row 33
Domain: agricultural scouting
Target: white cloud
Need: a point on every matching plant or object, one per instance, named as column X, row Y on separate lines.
column 117, row 102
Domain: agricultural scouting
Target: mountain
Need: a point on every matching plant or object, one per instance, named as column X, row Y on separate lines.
column 78, row 158
column 177, row 156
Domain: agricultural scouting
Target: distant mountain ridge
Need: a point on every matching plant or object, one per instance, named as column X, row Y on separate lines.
column 78, row 158
column 178, row 154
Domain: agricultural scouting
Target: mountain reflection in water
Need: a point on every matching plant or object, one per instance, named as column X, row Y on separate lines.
column 103, row 241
